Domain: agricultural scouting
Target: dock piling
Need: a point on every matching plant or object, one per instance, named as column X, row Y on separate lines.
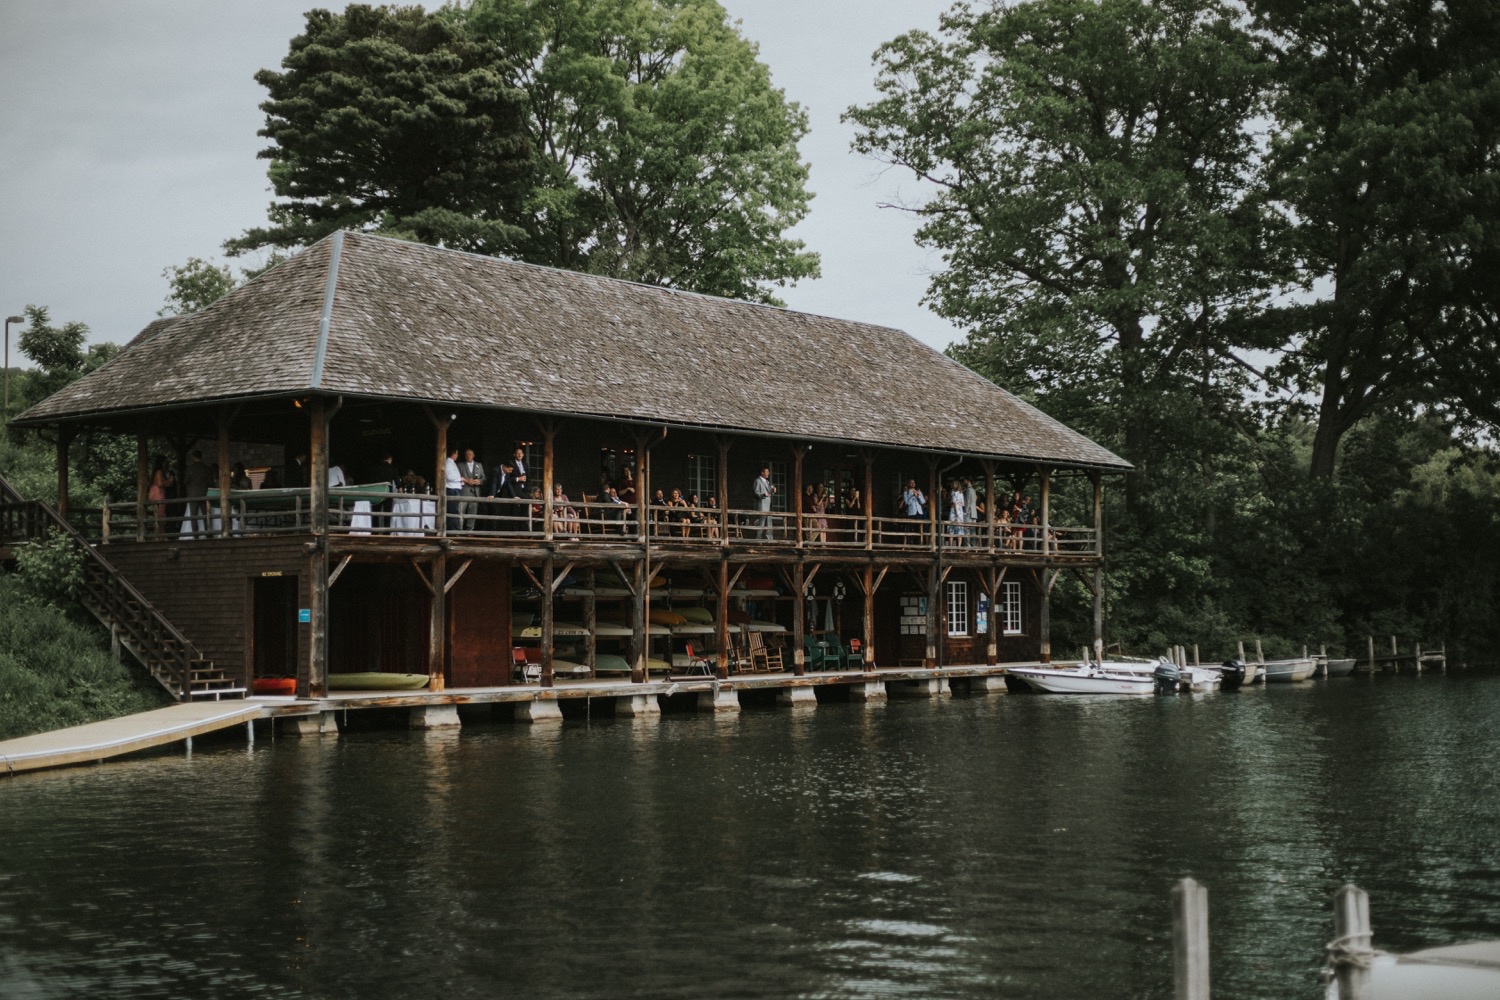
column 1349, row 952
column 1190, row 940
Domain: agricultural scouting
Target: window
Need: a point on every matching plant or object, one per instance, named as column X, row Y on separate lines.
column 958, row 607
column 1010, row 608
column 703, row 476
column 778, row 480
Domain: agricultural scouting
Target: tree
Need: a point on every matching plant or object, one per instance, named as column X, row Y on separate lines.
column 59, row 352
column 1386, row 166
column 195, row 285
column 394, row 119
column 634, row 138
column 1094, row 171
column 662, row 153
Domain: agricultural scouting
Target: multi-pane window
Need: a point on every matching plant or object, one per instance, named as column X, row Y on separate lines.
column 958, row 607
column 1010, row 608
column 703, row 476
column 779, row 480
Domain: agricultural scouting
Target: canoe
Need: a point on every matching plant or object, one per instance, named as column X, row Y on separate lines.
column 760, row 626
column 376, row 680
column 701, row 615
column 274, row 685
column 559, row 629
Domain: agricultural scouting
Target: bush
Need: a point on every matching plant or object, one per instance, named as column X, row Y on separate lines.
column 55, row 671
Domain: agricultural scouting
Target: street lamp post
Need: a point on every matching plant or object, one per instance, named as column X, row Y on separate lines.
column 8, row 321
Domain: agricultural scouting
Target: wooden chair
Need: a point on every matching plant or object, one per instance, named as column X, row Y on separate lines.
column 764, row 658
column 586, row 523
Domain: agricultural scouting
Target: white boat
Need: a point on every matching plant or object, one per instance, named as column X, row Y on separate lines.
column 1340, row 668
column 1088, row 678
column 1455, row 972
column 1284, row 671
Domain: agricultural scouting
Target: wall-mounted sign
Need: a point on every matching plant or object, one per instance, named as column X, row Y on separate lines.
column 270, row 572
column 304, row 615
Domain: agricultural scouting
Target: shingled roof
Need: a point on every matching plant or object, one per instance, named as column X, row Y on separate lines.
column 364, row 315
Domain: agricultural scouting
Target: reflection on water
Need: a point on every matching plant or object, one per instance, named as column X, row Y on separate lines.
column 1000, row 847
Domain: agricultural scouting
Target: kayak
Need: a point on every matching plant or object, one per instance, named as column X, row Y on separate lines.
column 274, row 685
column 376, row 680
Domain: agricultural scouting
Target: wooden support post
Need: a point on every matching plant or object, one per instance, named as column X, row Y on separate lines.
column 721, row 484
column 1190, row 940
column 1044, row 625
column 225, row 511
column 437, row 632
column 440, row 474
column 1260, row 655
column 314, row 682
column 1371, row 640
column 867, row 619
column 1419, row 657
column 142, row 485
column 934, row 614
column 1098, row 481
column 869, row 501
column 1046, row 475
column 549, row 573
column 799, row 603
column 795, row 508
column 638, row 636
column 549, row 515
column 1098, row 613
column 934, row 504
column 1352, row 942
column 721, row 619
column 1195, row 655
column 590, row 620
column 989, row 515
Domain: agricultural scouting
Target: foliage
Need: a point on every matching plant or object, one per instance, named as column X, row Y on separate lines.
column 1384, row 170
column 634, row 138
column 660, row 150
column 195, row 285
column 52, row 569
column 1094, row 199
column 60, row 353
column 390, row 118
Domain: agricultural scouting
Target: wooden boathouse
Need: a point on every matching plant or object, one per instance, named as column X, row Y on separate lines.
column 364, row 347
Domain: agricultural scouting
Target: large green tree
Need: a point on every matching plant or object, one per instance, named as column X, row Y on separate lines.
column 391, row 118
column 634, row 138
column 1385, row 163
column 1091, row 169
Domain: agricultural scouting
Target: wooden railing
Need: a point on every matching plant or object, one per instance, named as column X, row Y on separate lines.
column 362, row 511
column 132, row 620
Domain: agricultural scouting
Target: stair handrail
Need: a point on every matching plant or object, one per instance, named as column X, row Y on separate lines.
column 186, row 652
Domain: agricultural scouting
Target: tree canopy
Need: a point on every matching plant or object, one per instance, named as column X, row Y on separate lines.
column 634, row 138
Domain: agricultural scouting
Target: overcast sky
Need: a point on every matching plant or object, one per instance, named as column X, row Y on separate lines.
column 127, row 144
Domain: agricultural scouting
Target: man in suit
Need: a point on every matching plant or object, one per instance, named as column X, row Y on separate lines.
column 196, row 482
column 505, row 487
column 763, row 493
column 518, row 459
column 472, row 474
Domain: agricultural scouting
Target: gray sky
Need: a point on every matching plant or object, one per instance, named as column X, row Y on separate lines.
column 129, row 145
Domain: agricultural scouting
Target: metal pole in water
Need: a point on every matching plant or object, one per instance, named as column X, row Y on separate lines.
column 1350, row 951
column 1190, row 940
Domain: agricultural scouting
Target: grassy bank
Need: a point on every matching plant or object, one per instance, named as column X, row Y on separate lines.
column 55, row 669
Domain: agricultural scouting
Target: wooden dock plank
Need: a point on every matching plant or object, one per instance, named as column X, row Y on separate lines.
column 127, row 734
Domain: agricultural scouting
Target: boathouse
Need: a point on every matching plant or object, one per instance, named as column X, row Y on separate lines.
column 364, row 347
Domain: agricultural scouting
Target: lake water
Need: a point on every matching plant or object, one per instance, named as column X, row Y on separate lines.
column 1010, row 846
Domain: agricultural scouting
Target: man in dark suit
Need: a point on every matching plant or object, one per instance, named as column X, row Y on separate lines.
column 507, row 487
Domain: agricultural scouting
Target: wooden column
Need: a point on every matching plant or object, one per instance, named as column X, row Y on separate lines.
column 721, row 619
column 314, row 682
column 1098, row 612
column 869, row 583
column 549, row 582
column 590, row 619
column 869, row 496
column 549, row 519
column 934, row 505
column 440, row 479
column 437, row 632
column 989, row 514
column 1046, row 475
column 638, row 636
column 934, row 616
column 142, row 485
column 799, row 623
column 992, row 579
column 795, row 507
column 1045, row 579
column 64, row 442
column 722, row 485
column 225, row 511
column 1098, row 481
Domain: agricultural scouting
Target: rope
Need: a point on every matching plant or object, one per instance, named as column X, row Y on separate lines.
column 1349, row 950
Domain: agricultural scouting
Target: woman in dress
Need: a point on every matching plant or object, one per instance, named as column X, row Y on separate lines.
column 819, row 511
column 160, row 489
column 711, row 517
column 854, row 509
column 679, row 514
column 564, row 517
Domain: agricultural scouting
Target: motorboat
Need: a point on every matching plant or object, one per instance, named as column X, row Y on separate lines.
column 1285, row 671
column 1454, row 972
column 1085, row 678
column 1339, row 668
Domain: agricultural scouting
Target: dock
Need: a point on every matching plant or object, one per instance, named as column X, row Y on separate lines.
column 99, row 741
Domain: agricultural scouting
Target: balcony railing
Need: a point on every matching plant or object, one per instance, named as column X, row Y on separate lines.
column 364, row 512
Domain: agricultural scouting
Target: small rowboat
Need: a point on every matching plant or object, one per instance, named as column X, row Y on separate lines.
column 276, row 686
column 376, row 680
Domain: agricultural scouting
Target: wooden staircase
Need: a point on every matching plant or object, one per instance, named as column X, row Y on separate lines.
column 134, row 624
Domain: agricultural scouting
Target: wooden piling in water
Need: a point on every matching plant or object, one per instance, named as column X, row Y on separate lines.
column 1349, row 953
column 1190, row 940
column 1371, row 639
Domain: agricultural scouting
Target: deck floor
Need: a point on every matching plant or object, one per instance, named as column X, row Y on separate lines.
column 127, row 734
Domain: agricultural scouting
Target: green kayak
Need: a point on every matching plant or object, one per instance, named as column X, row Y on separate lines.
column 376, row 680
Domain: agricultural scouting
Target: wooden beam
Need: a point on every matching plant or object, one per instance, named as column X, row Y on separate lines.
column 557, row 578
column 457, row 575
column 799, row 625
column 722, row 485
column 869, row 498
column 225, row 513
column 549, row 516
column 317, row 602
column 422, row 575
column 546, row 605
column 795, row 508
column 437, row 641
column 721, row 619
column 142, row 485
column 590, row 620
column 989, row 510
column 338, row 571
